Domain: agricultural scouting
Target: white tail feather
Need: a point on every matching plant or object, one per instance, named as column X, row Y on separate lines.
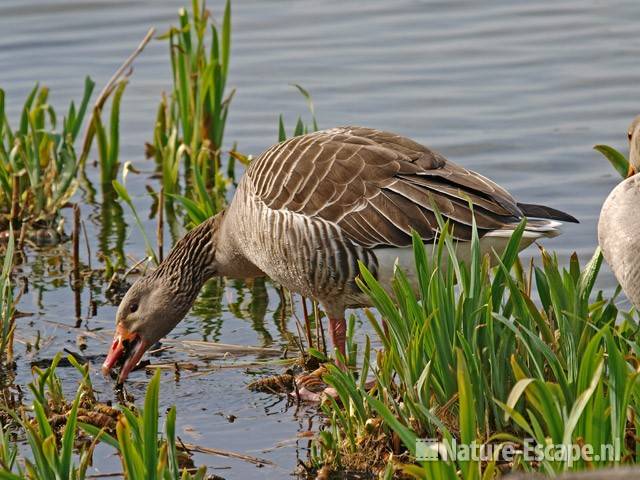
column 534, row 230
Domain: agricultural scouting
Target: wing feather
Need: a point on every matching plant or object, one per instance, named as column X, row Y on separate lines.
column 377, row 187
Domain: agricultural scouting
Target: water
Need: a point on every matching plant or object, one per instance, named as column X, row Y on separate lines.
column 517, row 91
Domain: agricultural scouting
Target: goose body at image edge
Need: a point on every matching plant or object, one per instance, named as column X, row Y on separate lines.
column 619, row 223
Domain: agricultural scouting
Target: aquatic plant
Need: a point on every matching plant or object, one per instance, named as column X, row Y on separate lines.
column 38, row 163
column 51, row 446
column 126, row 198
column 50, row 458
column 617, row 159
column 204, row 202
column 190, row 124
column 200, row 78
column 300, row 128
column 144, row 456
column 7, row 310
column 53, row 431
column 479, row 357
column 8, row 454
column 109, row 145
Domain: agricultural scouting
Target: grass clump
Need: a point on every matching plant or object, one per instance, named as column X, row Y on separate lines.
column 199, row 104
column 144, row 455
column 109, row 142
column 488, row 356
column 54, row 429
column 51, row 442
column 190, row 124
column 38, row 161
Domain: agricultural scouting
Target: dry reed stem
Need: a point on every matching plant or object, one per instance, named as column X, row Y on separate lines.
column 15, row 201
column 86, row 241
column 307, row 322
column 160, row 229
column 108, row 88
column 75, row 236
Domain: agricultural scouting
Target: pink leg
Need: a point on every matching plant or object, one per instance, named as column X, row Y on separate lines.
column 338, row 332
column 305, row 383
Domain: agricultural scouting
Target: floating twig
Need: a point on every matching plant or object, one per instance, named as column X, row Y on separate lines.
column 175, row 366
column 106, row 91
column 228, row 454
column 215, row 350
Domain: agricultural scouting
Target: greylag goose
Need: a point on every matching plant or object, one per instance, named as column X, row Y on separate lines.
column 306, row 211
column 619, row 224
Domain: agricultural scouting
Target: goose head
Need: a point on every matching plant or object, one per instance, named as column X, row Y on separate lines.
column 148, row 312
column 634, row 146
column 156, row 303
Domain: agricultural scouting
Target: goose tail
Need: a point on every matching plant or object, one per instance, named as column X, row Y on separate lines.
column 541, row 211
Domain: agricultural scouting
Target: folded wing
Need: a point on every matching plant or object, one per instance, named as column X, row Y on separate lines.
column 378, row 186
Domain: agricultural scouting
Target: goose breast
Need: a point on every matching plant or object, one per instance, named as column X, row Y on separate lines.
column 619, row 235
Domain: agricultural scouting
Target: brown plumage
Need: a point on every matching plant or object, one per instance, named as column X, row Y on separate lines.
column 377, row 186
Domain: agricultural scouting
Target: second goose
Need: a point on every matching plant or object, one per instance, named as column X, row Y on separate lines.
column 619, row 224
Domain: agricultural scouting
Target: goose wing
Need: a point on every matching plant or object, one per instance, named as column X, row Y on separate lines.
column 378, row 186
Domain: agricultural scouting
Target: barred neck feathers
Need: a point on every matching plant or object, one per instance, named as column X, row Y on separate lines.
column 191, row 261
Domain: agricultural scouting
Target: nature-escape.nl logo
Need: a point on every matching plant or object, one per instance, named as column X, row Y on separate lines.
column 431, row 449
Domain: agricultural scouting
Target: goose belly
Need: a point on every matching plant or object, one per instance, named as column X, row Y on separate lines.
column 306, row 255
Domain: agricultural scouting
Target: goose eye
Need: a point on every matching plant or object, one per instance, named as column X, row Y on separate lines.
column 133, row 308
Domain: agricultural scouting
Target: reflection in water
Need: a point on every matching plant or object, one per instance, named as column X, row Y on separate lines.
column 251, row 302
column 208, row 309
column 176, row 230
column 245, row 300
column 112, row 228
column 283, row 312
column 86, row 187
column 47, row 271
